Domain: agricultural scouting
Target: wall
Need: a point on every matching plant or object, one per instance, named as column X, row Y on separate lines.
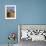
column 6, row 26
column 28, row 12
column 31, row 11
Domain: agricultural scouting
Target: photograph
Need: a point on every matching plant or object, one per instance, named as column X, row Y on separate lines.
column 10, row 11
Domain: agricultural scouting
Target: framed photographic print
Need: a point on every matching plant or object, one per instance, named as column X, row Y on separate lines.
column 10, row 11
